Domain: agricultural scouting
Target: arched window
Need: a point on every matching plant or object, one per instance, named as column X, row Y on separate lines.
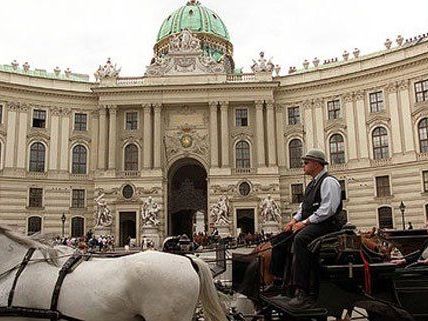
column 295, row 150
column 77, row 227
column 423, row 135
column 385, row 217
column 79, row 160
column 243, row 155
column 37, row 157
column 34, row 225
column 337, row 149
column 131, row 158
column 380, row 143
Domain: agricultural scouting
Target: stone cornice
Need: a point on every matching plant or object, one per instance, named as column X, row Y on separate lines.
column 79, row 137
column 38, row 134
column 378, row 118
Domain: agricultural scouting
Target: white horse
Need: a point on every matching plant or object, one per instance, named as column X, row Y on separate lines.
column 150, row 286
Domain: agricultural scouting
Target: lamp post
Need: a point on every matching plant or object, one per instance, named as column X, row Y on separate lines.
column 63, row 218
column 402, row 208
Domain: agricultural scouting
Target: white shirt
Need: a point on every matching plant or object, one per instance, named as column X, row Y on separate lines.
column 330, row 200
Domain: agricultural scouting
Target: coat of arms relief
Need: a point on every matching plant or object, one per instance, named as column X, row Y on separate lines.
column 186, row 140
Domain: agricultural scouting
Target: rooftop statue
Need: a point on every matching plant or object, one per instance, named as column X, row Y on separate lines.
column 262, row 65
column 270, row 211
column 103, row 217
column 107, row 71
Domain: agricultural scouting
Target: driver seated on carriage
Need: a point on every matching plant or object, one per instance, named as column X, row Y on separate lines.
column 419, row 257
column 316, row 217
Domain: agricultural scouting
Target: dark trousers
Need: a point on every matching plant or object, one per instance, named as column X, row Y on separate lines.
column 281, row 249
column 305, row 265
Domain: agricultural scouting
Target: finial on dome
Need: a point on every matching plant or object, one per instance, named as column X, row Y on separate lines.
column 192, row 2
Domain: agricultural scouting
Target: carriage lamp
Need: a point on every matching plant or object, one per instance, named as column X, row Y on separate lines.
column 402, row 208
column 63, row 218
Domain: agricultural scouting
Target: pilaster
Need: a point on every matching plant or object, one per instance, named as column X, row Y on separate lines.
column 213, row 106
column 157, row 133
column 22, row 136
column 65, row 137
column 271, row 134
column 362, row 128
column 55, row 114
column 403, row 91
column 112, row 137
column 11, row 131
column 280, row 135
column 261, row 159
column 348, row 107
column 224, row 107
column 102, row 146
column 392, row 92
column 147, row 138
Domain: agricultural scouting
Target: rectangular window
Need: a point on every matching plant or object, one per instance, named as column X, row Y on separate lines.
column 131, row 120
column 425, row 178
column 382, row 186
column 421, row 90
column 39, row 118
column 80, row 122
column 78, row 198
column 35, row 197
column 1, row 114
column 241, row 117
column 376, row 102
column 293, row 115
column 296, row 193
column 343, row 188
column 333, row 108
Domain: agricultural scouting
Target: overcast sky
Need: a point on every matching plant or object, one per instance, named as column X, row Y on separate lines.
column 81, row 34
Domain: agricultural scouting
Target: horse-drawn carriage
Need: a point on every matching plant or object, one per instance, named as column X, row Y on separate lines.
column 355, row 271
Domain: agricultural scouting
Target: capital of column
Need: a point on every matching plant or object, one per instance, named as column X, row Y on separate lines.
column 95, row 114
column 112, row 109
column 157, row 107
column 279, row 107
column 223, row 104
column 269, row 104
column 259, row 104
column 13, row 105
column 65, row 111
column 102, row 111
column 213, row 105
column 359, row 95
column 403, row 85
column 391, row 88
column 348, row 97
column 147, row 108
column 55, row 111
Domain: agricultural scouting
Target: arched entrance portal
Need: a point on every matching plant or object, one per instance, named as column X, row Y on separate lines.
column 187, row 193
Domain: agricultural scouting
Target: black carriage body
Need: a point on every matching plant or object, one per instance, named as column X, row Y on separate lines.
column 343, row 285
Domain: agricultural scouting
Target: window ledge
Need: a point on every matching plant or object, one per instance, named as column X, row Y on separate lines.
column 384, row 198
column 35, row 208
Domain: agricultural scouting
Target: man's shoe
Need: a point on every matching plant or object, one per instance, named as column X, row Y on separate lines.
column 301, row 301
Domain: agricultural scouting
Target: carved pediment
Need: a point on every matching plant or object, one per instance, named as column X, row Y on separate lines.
column 335, row 124
column 187, row 141
column 421, row 110
column 378, row 118
column 293, row 129
column 80, row 137
column 241, row 133
column 38, row 134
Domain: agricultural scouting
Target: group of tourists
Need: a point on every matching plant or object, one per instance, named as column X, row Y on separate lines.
column 88, row 243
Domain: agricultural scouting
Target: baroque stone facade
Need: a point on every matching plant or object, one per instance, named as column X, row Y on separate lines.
column 65, row 141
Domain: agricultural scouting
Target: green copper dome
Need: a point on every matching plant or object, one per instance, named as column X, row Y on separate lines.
column 196, row 18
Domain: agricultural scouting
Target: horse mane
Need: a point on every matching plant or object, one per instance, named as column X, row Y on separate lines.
column 48, row 252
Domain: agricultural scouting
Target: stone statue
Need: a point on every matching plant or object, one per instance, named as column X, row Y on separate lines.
column 270, row 211
column 220, row 211
column 107, row 71
column 103, row 217
column 262, row 65
column 149, row 213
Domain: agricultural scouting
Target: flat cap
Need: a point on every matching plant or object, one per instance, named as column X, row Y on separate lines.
column 316, row 155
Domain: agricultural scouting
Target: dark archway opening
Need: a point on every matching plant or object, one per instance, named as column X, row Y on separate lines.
column 128, row 227
column 245, row 220
column 187, row 193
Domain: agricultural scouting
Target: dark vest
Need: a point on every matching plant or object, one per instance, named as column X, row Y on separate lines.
column 312, row 200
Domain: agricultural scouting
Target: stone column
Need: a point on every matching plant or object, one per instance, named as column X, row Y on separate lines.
column 94, row 134
column 280, row 135
column 65, row 138
column 308, row 126
column 261, row 160
column 224, row 106
column 147, row 138
column 54, row 143
column 362, row 128
column 214, row 133
column 157, row 134
column 102, row 146
column 392, row 94
column 112, row 137
column 318, row 120
column 406, row 116
column 348, row 107
column 271, row 134
column 11, row 131
column 22, row 137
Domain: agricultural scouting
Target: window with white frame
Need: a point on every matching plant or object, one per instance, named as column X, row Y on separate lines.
column 376, row 102
column 1, row 114
column 333, row 108
column 37, row 157
column 79, row 159
column 293, row 115
column 383, row 187
column 77, row 227
column 380, row 143
column 80, row 122
column 421, row 90
column 425, row 180
column 131, row 158
column 337, row 149
column 34, row 225
column 78, row 198
column 423, row 135
column 295, row 151
column 131, row 120
column 241, row 117
column 39, row 118
column 385, row 217
column 243, row 159
column 35, row 197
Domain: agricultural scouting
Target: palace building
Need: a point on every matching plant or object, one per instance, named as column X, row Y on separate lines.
column 194, row 129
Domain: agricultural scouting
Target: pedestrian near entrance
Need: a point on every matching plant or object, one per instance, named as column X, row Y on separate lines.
column 317, row 216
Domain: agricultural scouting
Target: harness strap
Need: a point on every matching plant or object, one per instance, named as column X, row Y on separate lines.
column 24, row 263
column 367, row 274
column 68, row 267
column 34, row 313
